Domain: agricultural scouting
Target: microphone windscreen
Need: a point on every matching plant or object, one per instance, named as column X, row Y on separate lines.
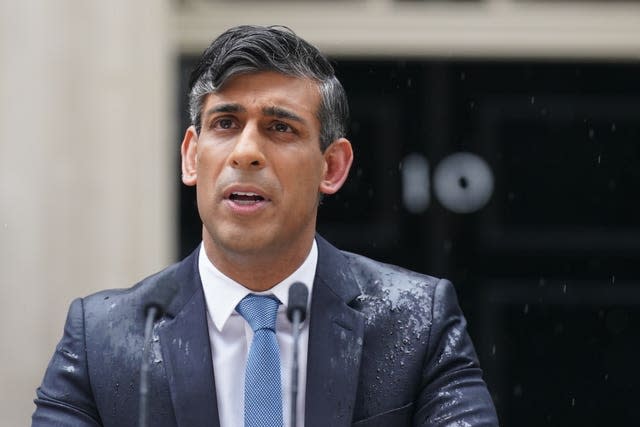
column 298, row 295
column 161, row 296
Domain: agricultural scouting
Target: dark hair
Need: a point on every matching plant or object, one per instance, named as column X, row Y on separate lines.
column 246, row 49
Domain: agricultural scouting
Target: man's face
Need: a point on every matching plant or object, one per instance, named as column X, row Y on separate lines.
column 257, row 164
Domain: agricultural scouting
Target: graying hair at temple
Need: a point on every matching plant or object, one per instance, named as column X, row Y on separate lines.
column 246, row 49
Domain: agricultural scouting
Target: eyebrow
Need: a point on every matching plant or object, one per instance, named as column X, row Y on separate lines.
column 282, row 113
column 225, row 108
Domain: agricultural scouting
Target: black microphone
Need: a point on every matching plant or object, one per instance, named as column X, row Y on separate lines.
column 298, row 295
column 296, row 313
column 160, row 299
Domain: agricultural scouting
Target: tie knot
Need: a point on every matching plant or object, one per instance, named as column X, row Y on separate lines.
column 259, row 311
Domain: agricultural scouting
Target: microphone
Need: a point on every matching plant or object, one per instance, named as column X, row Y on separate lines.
column 160, row 299
column 158, row 302
column 298, row 295
column 296, row 313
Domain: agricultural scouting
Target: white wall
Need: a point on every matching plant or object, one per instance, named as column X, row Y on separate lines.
column 86, row 179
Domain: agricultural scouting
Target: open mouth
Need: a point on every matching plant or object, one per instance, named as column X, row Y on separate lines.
column 245, row 198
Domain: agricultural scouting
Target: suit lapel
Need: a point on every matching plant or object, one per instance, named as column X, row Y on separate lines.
column 186, row 350
column 335, row 345
column 335, row 342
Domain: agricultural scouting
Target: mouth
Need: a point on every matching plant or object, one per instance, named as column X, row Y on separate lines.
column 245, row 198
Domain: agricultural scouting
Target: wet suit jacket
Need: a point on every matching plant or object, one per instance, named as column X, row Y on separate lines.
column 387, row 347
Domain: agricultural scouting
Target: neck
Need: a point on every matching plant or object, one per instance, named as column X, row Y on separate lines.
column 262, row 270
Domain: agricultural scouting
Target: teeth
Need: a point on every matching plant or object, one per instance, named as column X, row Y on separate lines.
column 245, row 197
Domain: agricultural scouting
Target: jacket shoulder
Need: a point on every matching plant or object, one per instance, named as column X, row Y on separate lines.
column 114, row 305
column 389, row 293
column 379, row 278
column 141, row 288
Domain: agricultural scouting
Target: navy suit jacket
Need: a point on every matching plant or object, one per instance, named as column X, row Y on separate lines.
column 387, row 347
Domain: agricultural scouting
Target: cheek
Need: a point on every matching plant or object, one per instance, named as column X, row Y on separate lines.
column 308, row 185
column 307, row 174
column 209, row 164
column 203, row 200
column 208, row 174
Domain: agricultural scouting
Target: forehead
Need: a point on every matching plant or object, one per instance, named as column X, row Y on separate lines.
column 268, row 89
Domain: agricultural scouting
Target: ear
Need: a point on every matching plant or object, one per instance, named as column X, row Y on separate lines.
column 189, row 153
column 338, row 158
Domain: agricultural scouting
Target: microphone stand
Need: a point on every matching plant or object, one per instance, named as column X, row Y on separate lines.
column 296, row 313
column 294, row 368
column 144, row 368
column 159, row 300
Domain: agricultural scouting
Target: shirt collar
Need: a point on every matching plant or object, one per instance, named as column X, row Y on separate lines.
column 222, row 294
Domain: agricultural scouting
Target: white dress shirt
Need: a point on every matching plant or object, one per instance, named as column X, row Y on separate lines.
column 231, row 337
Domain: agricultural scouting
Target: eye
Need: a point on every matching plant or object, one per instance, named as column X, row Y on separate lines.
column 282, row 127
column 223, row 123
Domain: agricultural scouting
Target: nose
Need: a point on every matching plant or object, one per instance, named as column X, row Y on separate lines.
column 247, row 152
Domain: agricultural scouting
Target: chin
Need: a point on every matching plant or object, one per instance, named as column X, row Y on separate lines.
column 242, row 242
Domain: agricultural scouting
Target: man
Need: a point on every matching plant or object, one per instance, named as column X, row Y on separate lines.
column 381, row 346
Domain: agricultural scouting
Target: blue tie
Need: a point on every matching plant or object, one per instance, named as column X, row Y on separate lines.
column 262, row 389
